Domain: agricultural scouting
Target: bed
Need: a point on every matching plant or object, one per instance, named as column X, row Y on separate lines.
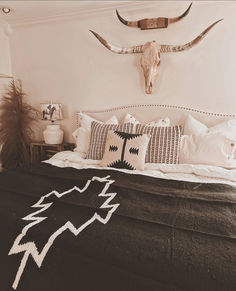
column 69, row 224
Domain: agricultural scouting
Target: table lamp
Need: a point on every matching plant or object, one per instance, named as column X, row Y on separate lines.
column 52, row 112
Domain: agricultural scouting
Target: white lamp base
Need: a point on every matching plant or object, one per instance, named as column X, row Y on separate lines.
column 53, row 134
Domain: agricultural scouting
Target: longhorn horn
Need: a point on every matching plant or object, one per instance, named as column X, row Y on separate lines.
column 128, row 23
column 179, row 48
column 150, row 23
column 175, row 19
column 119, row 50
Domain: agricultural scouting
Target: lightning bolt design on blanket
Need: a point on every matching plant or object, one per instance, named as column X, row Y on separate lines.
column 30, row 248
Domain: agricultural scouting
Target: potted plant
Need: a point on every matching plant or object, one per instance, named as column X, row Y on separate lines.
column 16, row 118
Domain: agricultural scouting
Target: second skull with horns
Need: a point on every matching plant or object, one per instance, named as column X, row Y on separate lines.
column 151, row 54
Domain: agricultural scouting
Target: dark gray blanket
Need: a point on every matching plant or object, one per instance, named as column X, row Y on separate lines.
column 93, row 230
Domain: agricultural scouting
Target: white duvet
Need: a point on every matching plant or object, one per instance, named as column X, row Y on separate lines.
column 183, row 172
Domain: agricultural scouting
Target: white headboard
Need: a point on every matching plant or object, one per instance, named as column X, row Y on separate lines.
column 149, row 112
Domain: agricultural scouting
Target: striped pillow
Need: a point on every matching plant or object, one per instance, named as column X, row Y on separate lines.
column 98, row 137
column 164, row 143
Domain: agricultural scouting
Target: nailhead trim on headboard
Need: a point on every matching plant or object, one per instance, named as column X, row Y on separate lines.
column 161, row 106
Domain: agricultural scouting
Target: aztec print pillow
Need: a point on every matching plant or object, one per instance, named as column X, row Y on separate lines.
column 125, row 150
column 98, row 137
column 164, row 143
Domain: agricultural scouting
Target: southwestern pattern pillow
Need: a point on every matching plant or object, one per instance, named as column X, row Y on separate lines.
column 98, row 137
column 164, row 143
column 125, row 150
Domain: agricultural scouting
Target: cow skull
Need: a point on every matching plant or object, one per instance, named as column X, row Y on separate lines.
column 151, row 23
column 151, row 52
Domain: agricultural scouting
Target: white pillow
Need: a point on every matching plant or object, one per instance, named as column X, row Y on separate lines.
column 85, row 120
column 161, row 122
column 211, row 149
column 82, row 134
column 227, row 127
column 130, row 119
column 164, row 122
column 193, row 126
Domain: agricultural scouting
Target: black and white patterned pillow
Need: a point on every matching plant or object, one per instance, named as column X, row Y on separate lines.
column 164, row 143
column 125, row 150
column 98, row 137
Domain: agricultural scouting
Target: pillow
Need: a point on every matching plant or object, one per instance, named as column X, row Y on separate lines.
column 193, row 126
column 125, row 150
column 161, row 122
column 164, row 143
column 82, row 134
column 211, row 149
column 130, row 119
column 86, row 121
column 227, row 127
column 98, row 137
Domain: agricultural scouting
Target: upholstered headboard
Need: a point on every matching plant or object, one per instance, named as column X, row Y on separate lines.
column 148, row 112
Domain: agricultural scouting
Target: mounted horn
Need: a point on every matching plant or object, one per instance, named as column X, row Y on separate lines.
column 119, row 50
column 180, row 48
column 152, row 23
column 151, row 54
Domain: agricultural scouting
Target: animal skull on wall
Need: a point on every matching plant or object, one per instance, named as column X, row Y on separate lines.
column 151, row 54
column 151, row 23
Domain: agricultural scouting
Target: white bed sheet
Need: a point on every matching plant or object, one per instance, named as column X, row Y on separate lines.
column 183, row 172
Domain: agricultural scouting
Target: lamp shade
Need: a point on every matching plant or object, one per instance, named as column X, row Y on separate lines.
column 5, row 59
column 51, row 111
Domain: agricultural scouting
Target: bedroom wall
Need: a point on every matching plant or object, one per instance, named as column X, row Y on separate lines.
column 5, row 59
column 62, row 61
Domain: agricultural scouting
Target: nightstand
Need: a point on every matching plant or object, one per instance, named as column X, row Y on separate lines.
column 40, row 151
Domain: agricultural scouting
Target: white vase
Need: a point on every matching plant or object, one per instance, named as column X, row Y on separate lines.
column 53, row 134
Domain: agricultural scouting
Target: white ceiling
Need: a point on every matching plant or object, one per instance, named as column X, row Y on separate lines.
column 25, row 12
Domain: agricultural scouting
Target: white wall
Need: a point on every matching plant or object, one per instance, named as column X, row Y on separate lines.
column 62, row 61
column 5, row 59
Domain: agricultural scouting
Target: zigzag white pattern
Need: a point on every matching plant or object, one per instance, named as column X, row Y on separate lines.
column 31, row 248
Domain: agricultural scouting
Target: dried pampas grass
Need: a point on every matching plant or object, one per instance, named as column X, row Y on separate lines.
column 16, row 118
